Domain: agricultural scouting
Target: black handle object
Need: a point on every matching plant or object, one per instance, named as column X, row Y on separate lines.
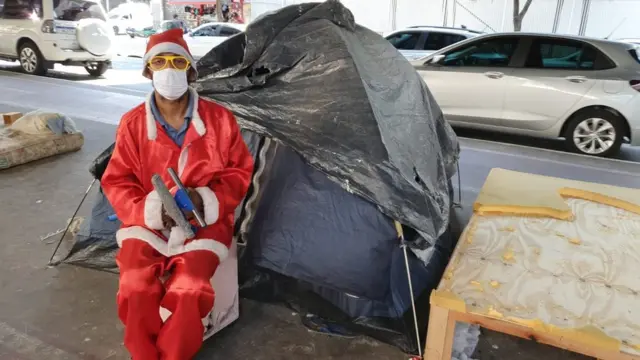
column 196, row 213
column 170, row 205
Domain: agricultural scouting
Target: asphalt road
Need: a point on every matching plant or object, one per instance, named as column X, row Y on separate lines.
column 44, row 194
column 69, row 90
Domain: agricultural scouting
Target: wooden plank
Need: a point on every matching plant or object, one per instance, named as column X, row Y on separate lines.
column 524, row 332
column 440, row 334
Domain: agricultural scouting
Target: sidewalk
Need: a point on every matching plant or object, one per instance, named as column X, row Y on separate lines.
column 69, row 312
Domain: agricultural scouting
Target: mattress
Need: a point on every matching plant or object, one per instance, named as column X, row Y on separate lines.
column 555, row 255
column 17, row 148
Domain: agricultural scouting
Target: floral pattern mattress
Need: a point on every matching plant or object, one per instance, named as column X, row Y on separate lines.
column 577, row 277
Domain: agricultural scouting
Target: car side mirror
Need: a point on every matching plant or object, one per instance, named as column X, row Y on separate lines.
column 435, row 60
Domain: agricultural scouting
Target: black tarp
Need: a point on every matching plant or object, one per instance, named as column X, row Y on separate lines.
column 345, row 99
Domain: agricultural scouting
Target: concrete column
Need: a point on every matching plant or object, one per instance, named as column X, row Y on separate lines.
column 584, row 17
column 394, row 14
column 556, row 19
column 445, row 12
column 453, row 12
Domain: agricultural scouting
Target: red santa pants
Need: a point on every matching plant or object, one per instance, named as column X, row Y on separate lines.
column 187, row 294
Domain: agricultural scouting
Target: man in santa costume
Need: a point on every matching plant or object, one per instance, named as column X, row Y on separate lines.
column 201, row 140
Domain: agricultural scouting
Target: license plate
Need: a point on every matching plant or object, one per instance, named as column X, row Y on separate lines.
column 64, row 27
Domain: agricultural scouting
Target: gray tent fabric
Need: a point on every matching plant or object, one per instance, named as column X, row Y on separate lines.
column 322, row 250
column 344, row 98
column 308, row 228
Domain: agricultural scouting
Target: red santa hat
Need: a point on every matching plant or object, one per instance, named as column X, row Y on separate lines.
column 170, row 41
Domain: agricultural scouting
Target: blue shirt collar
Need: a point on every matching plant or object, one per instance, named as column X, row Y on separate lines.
column 177, row 135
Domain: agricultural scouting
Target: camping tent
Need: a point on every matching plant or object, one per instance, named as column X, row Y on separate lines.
column 347, row 138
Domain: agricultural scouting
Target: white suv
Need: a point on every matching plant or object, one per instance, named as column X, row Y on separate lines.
column 41, row 33
column 416, row 42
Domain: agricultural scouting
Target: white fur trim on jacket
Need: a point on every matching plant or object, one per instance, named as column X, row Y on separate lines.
column 182, row 159
column 196, row 120
column 153, row 211
column 169, row 249
column 211, row 204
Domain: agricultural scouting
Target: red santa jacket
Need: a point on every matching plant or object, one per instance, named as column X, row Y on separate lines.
column 213, row 159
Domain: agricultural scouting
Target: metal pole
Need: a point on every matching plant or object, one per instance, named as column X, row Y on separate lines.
column 394, row 14
column 573, row 9
column 445, row 12
column 219, row 16
column 584, row 18
column 455, row 6
column 556, row 19
column 403, row 245
column 71, row 221
column 504, row 14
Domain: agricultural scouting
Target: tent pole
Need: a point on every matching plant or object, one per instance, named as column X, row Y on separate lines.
column 413, row 301
column 71, row 221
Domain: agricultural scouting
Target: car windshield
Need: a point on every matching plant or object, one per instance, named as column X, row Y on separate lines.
column 74, row 10
column 171, row 24
column 404, row 41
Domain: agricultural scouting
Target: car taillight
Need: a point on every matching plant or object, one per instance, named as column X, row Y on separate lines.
column 635, row 84
column 47, row 27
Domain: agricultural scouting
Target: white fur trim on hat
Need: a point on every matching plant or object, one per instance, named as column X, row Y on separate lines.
column 169, row 47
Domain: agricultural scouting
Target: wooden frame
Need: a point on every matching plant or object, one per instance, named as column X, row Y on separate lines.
column 442, row 324
column 469, row 293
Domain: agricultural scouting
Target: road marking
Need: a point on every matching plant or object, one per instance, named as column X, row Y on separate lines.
column 66, row 82
column 72, row 115
column 558, row 152
column 23, row 344
column 564, row 163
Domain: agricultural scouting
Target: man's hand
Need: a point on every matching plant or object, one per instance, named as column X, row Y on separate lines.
column 198, row 204
column 167, row 221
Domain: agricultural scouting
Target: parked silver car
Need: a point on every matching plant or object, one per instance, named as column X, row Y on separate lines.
column 585, row 90
column 416, row 42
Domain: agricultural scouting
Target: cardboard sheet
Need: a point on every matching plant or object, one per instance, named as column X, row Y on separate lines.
column 575, row 278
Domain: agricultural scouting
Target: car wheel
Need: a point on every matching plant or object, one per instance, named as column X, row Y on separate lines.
column 132, row 36
column 595, row 132
column 31, row 60
column 116, row 30
column 96, row 69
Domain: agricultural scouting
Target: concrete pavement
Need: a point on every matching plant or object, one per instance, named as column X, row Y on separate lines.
column 69, row 313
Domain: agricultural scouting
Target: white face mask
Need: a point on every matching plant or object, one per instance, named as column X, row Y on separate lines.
column 171, row 84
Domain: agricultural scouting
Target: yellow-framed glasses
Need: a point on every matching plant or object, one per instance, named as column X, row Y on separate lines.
column 161, row 62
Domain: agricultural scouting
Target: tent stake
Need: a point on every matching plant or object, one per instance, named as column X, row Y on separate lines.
column 413, row 302
column 71, row 221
